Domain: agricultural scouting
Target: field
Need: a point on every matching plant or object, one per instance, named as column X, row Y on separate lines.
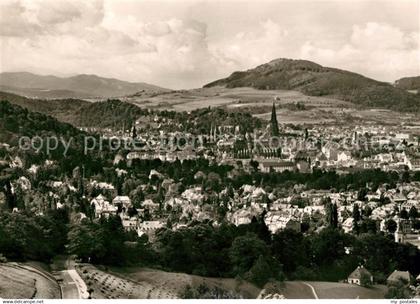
column 18, row 281
column 188, row 100
column 331, row 290
column 316, row 110
column 141, row 283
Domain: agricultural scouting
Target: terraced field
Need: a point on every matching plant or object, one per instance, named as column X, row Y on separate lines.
column 139, row 283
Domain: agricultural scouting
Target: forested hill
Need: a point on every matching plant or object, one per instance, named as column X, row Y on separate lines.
column 408, row 83
column 16, row 121
column 315, row 80
column 108, row 114
column 80, row 113
column 62, row 109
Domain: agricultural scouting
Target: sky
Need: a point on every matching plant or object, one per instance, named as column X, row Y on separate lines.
column 182, row 44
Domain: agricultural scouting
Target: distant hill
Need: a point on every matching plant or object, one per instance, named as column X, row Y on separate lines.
column 64, row 110
column 315, row 80
column 113, row 114
column 408, row 83
column 15, row 121
column 81, row 113
column 80, row 86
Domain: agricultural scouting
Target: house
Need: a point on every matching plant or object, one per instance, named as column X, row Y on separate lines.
column 348, row 225
column 356, row 276
column 398, row 276
column 403, row 228
column 344, row 156
column 241, row 217
column 149, row 227
column 281, row 220
column 330, row 150
column 412, row 162
column 321, row 160
column 150, row 205
column 103, row 207
column 130, row 224
column 123, row 201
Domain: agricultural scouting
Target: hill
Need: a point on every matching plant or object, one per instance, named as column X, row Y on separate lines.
column 107, row 114
column 315, row 80
column 79, row 86
column 16, row 121
column 408, row 83
column 80, row 113
column 62, row 109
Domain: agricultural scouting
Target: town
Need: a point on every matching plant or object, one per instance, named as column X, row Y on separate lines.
column 362, row 179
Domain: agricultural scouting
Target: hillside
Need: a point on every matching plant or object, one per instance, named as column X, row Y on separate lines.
column 25, row 283
column 107, row 114
column 408, row 83
column 315, row 80
column 62, row 109
column 80, row 113
column 79, row 86
column 15, row 121
column 145, row 283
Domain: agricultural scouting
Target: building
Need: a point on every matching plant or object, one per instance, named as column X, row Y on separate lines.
column 102, row 207
column 398, row 276
column 274, row 125
column 403, row 228
column 276, row 165
column 356, row 276
column 281, row 220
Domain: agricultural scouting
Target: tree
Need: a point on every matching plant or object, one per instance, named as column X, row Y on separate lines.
column 260, row 272
column 245, row 250
column 413, row 213
column 356, row 213
column 291, row 249
column 404, row 214
column 399, row 290
column 365, row 280
column 391, row 225
column 331, row 213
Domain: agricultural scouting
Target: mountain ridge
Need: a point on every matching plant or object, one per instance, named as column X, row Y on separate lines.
column 79, row 86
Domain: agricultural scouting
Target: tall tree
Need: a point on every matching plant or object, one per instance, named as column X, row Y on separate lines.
column 331, row 214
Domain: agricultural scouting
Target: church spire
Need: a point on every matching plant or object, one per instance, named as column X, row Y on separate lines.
column 274, row 124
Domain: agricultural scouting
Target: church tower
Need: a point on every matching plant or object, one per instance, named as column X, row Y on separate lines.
column 274, row 124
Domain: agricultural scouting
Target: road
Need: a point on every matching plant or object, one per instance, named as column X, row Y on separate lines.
column 312, row 289
column 299, row 290
column 72, row 285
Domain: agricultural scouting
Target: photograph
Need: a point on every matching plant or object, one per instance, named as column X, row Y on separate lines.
column 209, row 149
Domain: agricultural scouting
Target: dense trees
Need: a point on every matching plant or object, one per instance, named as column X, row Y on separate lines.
column 25, row 236
column 328, row 255
column 105, row 242
column 332, row 214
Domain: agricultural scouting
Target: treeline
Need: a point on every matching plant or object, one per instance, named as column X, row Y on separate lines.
column 106, row 242
column 25, row 236
column 248, row 251
column 318, row 179
column 201, row 121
